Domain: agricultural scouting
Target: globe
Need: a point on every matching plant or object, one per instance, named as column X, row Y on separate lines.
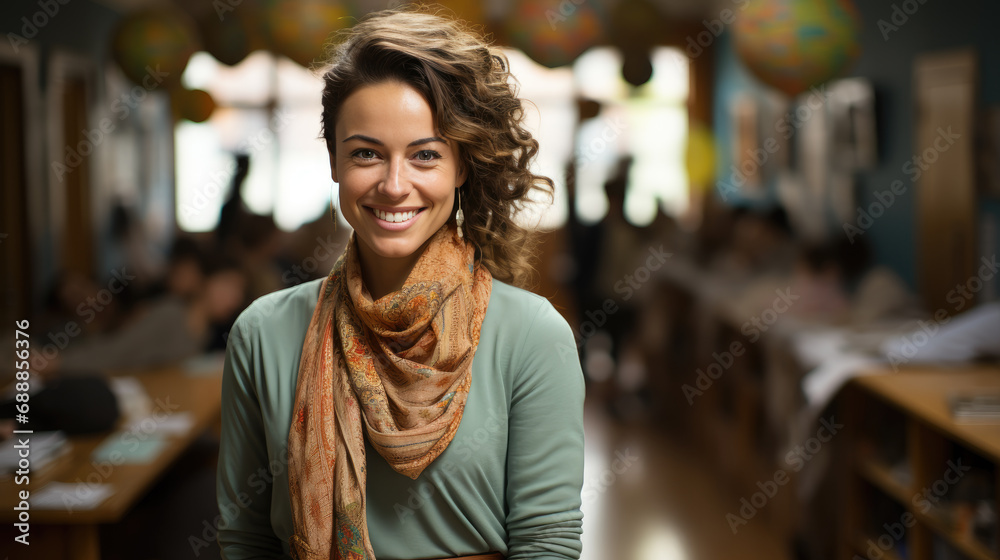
column 300, row 29
column 553, row 32
column 793, row 45
column 156, row 43
column 194, row 105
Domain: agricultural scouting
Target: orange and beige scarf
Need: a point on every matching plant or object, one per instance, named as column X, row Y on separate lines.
column 397, row 369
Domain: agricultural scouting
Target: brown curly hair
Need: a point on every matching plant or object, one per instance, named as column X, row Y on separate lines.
column 474, row 100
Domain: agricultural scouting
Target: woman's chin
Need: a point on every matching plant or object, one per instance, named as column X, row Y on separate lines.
column 393, row 248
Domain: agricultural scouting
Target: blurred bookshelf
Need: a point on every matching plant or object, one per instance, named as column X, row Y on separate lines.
column 922, row 484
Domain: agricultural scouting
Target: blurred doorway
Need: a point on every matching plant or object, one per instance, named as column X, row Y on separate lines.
column 15, row 287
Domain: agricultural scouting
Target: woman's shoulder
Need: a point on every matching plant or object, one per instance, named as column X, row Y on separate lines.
column 511, row 300
column 523, row 312
column 534, row 336
column 281, row 313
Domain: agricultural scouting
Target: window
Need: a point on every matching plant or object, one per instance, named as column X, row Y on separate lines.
column 269, row 107
column 650, row 123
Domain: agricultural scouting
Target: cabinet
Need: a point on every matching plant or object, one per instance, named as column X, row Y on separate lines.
column 920, row 486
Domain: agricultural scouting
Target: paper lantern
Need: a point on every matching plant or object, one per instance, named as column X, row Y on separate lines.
column 227, row 39
column 793, row 45
column 300, row 29
column 192, row 104
column 554, row 32
column 637, row 68
column 469, row 10
column 636, row 25
column 155, row 43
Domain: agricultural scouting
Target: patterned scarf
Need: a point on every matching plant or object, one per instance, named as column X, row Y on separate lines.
column 397, row 368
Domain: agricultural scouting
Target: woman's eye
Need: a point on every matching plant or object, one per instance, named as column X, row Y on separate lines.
column 365, row 154
column 427, row 155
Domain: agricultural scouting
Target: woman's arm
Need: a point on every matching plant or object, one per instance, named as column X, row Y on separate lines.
column 545, row 445
column 243, row 480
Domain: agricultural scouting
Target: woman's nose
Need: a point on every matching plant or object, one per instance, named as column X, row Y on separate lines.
column 395, row 184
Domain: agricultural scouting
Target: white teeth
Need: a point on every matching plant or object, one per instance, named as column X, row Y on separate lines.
column 394, row 217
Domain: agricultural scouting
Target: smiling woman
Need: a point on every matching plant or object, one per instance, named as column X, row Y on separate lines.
column 358, row 393
column 397, row 179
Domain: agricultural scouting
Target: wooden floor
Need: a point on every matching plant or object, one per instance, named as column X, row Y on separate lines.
column 658, row 502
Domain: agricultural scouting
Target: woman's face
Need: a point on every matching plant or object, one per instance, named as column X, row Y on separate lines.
column 397, row 175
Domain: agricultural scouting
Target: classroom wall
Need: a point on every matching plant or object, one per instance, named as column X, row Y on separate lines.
column 84, row 28
column 888, row 63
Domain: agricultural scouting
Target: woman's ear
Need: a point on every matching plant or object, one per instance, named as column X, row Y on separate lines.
column 333, row 165
column 463, row 174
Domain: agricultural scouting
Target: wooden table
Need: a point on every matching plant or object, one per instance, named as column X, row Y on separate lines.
column 918, row 397
column 74, row 534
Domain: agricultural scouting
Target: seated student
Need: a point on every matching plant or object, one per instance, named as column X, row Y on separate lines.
column 171, row 329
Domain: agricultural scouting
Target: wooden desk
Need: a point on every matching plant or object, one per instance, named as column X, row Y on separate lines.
column 918, row 399
column 74, row 534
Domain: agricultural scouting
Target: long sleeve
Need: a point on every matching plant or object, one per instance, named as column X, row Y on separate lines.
column 243, row 480
column 545, row 445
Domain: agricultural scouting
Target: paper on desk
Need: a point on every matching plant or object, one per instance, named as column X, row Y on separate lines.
column 70, row 496
column 42, row 447
column 129, row 447
column 205, row 365
column 133, row 401
column 822, row 383
column 177, row 423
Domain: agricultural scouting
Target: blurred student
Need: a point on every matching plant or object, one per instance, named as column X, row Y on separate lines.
column 172, row 328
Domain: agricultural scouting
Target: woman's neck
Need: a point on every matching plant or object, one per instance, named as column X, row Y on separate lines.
column 384, row 275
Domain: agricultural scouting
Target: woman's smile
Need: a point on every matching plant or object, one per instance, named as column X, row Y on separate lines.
column 395, row 219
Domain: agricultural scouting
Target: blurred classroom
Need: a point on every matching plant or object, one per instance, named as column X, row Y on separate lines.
column 774, row 233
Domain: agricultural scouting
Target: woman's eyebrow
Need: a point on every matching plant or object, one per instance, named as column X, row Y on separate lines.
column 380, row 143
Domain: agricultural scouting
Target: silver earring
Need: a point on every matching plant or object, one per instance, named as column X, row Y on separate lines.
column 459, row 216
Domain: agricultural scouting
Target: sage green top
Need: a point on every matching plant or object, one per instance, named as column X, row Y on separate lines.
column 510, row 481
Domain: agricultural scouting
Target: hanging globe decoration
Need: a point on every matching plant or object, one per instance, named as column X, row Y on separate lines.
column 637, row 68
column 469, row 10
column 793, row 45
column 636, row 25
column 227, row 38
column 154, row 46
column 554, row 32
column 300, row 29
column 194, row 105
